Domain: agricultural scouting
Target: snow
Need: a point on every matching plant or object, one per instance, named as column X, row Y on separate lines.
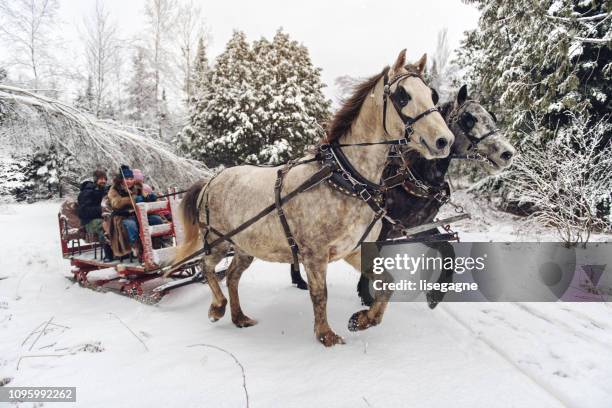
column 122, row 353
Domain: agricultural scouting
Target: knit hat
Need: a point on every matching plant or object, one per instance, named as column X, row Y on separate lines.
column 138, row 176
column 126, row 172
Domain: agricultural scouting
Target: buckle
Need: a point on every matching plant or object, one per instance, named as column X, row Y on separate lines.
column 291, row 241
column 365, row 195
column 403, row 141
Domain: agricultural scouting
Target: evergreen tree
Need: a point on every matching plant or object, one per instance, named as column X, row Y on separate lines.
column 199, row 76
column 260, row 104
column 541, row 60
column 141, row 100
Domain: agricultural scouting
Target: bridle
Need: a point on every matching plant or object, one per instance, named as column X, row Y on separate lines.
column 473, row 154
column 406, row 120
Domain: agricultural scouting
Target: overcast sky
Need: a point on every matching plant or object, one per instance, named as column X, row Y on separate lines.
column 344, row 37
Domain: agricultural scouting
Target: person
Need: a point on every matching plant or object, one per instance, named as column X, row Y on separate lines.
column 122, row 196
column 90, row 209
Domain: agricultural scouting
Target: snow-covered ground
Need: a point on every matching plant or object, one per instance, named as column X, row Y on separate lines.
column 122, row 353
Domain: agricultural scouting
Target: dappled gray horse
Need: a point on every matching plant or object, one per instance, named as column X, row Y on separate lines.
column 326, row 224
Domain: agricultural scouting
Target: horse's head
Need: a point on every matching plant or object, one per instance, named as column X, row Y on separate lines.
column 414, row 107
column 476, row 132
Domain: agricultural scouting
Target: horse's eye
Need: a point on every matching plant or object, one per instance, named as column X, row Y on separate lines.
column 434, row 96
column 468, row 120
column 401, row 96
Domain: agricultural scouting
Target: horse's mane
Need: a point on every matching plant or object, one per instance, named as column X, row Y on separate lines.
column 346, row 115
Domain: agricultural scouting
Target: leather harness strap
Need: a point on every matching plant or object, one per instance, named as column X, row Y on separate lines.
column 278, row 202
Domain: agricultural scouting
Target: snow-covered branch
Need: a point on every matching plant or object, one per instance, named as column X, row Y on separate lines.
column 38, row 122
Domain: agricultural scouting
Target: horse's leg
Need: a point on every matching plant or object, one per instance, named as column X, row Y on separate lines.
column 316, row 272
column 366, row 318
column 363, row 290
column 446, row 276
column 218, row 302
column 239, row 264
column 296, row 279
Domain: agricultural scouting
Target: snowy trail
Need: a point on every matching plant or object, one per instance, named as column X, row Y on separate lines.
column 114, row 349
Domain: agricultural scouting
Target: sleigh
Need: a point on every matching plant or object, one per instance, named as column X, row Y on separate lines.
column 137, row 277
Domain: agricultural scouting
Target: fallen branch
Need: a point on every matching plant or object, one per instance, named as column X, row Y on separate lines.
column 131, row 331
column 246, row 392
column 41, row 333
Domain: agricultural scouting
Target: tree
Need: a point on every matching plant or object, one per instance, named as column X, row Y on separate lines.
column 141, row 101
column 86, row 100
column 161, row 16
column 26, row 29
column 441, row 74
column 567, row 180
column 191, row 35
column 294, row 98
column 263, row 104
column 101, row 46
column 541, row 60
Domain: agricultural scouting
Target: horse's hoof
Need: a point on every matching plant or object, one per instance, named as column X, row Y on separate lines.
column 330, row 338
column 216, row 312
column 432, row 299
column 302, row 285
column 360, row 321
column 244, row 321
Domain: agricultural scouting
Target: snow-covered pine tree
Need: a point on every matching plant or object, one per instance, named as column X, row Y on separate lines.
column 141, row 100
column 546, row 68
column 294, row 106
column 199, row 84
column 201, row 70
column 541, row 60
column 220, row 126
column 263, row 104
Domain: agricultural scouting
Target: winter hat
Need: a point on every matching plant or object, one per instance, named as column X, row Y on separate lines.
column 126, row 172
column 138, row 176
column 98, row 174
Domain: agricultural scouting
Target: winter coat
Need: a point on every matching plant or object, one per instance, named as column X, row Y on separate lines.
column 89, row 201
column 121, row 204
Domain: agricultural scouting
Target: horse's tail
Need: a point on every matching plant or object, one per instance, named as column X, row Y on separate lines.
column 189, row 215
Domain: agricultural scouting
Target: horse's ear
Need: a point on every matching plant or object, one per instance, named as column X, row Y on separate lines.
column 462, row 95
column 400, row 61
column 421, row 63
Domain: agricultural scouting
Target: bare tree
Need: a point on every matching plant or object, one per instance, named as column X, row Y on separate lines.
column 26, row 28
column 440, row 70
column 568, row 178
column 161, row 16
column 101, row 47
column 190, row 28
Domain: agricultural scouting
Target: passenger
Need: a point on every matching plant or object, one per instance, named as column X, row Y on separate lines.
column 122, row 196
column 90, row 209
column 139, row 178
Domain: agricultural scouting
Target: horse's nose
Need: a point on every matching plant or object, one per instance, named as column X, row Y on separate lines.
column 441, row 143
column 506, row 156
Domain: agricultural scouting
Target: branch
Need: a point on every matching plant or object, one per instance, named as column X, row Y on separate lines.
column 246, row 392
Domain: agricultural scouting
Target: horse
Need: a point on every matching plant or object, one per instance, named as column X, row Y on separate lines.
column 476, row 137
column 327, row 225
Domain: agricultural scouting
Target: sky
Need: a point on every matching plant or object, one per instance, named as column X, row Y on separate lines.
column 355, row 38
